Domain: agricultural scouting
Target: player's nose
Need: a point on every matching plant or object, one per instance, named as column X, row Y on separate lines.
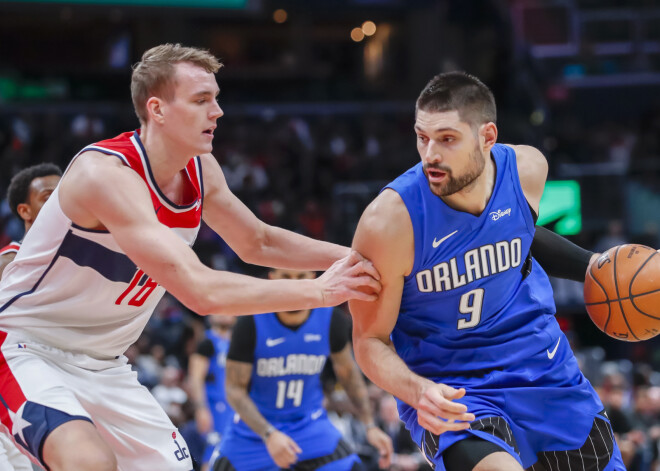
column 433, row 153
column 217, row 112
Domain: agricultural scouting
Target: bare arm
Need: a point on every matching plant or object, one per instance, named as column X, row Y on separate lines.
column 533, row 172
column 5, row 260
column 385, row 235
column 198, row 368
column 255, row 241
column 88, row 197
column 237, row 379
column 350, row 377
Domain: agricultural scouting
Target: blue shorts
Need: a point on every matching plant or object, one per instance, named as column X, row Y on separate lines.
column 555, row 417
column 316, row 438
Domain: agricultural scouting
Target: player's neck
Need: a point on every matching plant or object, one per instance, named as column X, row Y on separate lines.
column 165, row 157
column 474, row 198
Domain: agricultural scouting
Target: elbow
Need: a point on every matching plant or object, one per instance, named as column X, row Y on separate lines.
column 252, row 250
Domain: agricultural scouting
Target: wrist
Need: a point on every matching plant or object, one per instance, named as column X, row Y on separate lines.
column 267, row 433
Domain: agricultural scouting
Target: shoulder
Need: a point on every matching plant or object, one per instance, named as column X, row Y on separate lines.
column 531, row 162
column 532, row 172
column 385, row 232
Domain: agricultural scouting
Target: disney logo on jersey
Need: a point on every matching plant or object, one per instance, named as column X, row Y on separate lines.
column 495, row 215
column 312, row 337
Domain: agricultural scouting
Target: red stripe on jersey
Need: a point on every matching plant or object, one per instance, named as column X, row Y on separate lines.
column 10, row 248
column 184, row 218
column 10, row 390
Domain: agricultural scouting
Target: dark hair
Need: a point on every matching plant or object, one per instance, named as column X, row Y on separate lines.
column 19, row 186
column 461, row 92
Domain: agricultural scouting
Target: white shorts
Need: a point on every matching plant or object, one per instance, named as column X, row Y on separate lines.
column 12, row 457
column 42, row 387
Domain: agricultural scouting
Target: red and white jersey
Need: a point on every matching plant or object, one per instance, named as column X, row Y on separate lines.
column 11, row 247
column 74, row 288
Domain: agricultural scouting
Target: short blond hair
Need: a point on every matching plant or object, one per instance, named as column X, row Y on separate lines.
column 154, row 75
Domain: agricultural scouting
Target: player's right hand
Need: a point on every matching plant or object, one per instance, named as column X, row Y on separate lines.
column 282, row 449
column 438, row 413
column 352, row 277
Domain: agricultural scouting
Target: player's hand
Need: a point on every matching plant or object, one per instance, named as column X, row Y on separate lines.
column 352, row 277
column 203, row 420
column 383, row 443
column 282, row 449
column 438, row 413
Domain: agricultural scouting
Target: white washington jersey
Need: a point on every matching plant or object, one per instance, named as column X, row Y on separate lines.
column 74, row 288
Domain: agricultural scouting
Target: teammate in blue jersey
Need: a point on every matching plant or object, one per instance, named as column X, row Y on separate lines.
column 463, row 332
column 206, row 376
column 273, row 383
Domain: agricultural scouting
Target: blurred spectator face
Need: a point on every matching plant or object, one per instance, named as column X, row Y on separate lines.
column 450, row 151
column 388, row 410
column 614, row 389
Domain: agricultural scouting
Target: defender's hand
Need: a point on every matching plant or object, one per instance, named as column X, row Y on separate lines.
column 352, row 277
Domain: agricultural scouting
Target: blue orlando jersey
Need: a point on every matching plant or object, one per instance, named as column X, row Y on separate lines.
column 474, row 300
column 285, row 384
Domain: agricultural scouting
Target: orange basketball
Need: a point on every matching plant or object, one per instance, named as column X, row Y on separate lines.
column 622, row 292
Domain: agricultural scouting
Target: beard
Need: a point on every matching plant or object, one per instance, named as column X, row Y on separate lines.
column 453, row 184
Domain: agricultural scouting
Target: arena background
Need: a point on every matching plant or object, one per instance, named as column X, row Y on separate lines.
column 319, row 98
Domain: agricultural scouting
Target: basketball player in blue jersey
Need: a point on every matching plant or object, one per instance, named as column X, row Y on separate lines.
column 206, row 380
column 273, row 383
column 113, row 237
column 463, row 332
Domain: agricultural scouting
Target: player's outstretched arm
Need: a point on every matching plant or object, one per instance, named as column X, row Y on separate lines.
column 385, row 235
column 351, row 379
column 281, row 447
column 558, row 256
column 253, row 240
column 99, row 192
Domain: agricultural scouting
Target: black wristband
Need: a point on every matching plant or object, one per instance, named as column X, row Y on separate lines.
column 560, row 257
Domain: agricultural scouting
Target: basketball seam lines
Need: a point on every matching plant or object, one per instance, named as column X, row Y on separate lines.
column 618, row 295
column 609, row 308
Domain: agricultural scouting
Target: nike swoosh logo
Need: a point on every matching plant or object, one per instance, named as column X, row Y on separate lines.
column 551, row 354
column 316, row 414
column 438, row 242
column 273, row 342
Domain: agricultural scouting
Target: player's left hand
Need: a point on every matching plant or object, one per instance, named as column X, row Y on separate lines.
column 383, row 443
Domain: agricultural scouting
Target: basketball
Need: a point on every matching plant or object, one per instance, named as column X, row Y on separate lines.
column 622, row 292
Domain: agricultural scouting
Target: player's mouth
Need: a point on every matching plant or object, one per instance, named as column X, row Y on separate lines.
column 435, row 175
column 209, row 131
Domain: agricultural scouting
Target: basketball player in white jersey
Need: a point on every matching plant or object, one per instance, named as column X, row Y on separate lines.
column 115, row 235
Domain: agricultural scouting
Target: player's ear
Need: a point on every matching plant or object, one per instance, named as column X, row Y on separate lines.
column 489, row 133
column 154, row 107
column 24, row 211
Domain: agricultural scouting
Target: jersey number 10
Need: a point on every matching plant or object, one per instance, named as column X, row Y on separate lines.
column 143, row 291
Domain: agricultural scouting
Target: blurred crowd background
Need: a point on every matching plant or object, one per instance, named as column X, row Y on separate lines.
column 319, row 111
